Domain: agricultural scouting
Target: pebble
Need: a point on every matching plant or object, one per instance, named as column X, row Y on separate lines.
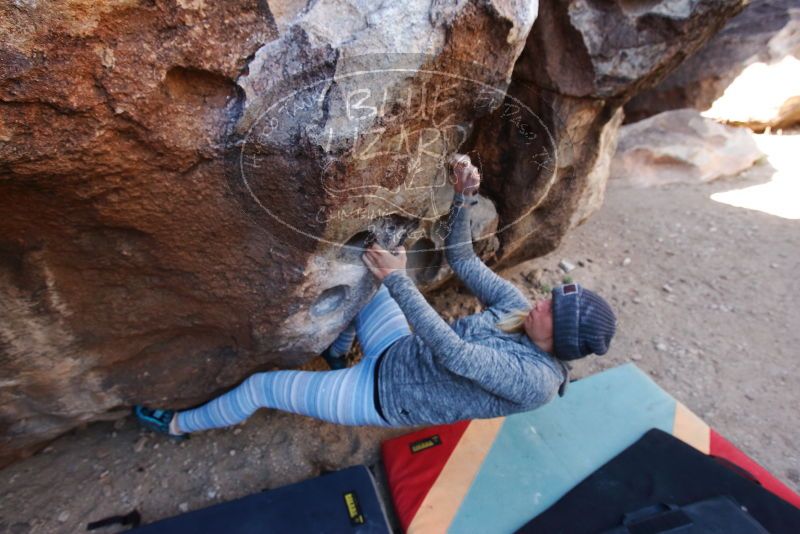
column 237, row 431
column 183, row 507
column 626, row 262
column 566, row 266
column 532, row 276
column 139, row 446
column 211, row 494
column 636, row 357
column 661, row 347
column 232, row 452
column 793, row 475
column 667, row 288
column 63, row 516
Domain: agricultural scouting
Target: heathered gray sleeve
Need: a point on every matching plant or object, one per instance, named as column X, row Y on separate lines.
column 490, row 288
column 494, row 371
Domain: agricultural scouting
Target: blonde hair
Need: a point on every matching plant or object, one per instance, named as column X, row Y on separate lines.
column 513, row 321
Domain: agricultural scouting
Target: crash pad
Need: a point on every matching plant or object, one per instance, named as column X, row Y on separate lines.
column 494, row 475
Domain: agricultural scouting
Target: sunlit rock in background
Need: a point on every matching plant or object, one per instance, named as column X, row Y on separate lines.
column 762, row 96
column 681, row 146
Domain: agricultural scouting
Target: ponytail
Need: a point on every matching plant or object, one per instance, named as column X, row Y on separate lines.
column 513, row 322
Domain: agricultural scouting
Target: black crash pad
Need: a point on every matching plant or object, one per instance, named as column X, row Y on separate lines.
column 344, row 501
column 659, row 469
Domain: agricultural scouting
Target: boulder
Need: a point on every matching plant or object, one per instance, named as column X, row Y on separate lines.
column 186, row 187
column 766, row 31
column 546, row 151
column 681, row 146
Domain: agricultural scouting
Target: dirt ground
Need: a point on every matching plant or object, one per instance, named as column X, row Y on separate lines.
column 706, row 297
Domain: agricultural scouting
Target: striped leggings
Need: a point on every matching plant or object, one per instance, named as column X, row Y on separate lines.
column 344, row 396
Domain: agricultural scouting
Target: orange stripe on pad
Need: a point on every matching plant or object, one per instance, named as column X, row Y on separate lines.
column 447, row 493
column 690, row 429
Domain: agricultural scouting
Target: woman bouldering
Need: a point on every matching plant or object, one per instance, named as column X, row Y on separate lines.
column 508, row 358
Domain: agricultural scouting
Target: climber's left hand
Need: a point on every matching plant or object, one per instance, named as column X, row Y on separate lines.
column 382, row 263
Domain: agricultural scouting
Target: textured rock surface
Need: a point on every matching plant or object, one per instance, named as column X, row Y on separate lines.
column 583, row 60
column 681, row 146
column 155, row 228
column 176, row 182
column 766, row 31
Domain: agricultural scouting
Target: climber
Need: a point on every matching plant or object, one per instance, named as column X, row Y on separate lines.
column 508, row 358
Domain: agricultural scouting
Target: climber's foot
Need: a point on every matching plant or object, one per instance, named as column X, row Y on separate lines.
column 157, row 420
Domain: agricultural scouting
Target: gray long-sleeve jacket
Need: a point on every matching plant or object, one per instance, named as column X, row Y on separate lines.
column 469, row 369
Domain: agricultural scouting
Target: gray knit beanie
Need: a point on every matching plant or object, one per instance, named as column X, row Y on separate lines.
column 583, row 322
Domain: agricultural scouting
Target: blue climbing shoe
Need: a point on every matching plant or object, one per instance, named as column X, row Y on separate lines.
column 334, row 362
column 157, row 420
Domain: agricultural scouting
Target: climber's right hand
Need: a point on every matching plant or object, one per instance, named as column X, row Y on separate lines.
column 467, row 176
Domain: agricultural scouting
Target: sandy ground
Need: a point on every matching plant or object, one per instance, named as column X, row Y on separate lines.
column 706, row 297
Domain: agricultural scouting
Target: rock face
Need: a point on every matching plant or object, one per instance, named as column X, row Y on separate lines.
column 185, row 189
column 582, row 62
column 766, row 31
column 681, row 146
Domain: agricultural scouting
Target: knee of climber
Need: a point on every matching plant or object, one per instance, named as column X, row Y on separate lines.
column 254, row 382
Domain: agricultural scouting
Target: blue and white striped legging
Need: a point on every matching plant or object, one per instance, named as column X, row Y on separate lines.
column 344, row 396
